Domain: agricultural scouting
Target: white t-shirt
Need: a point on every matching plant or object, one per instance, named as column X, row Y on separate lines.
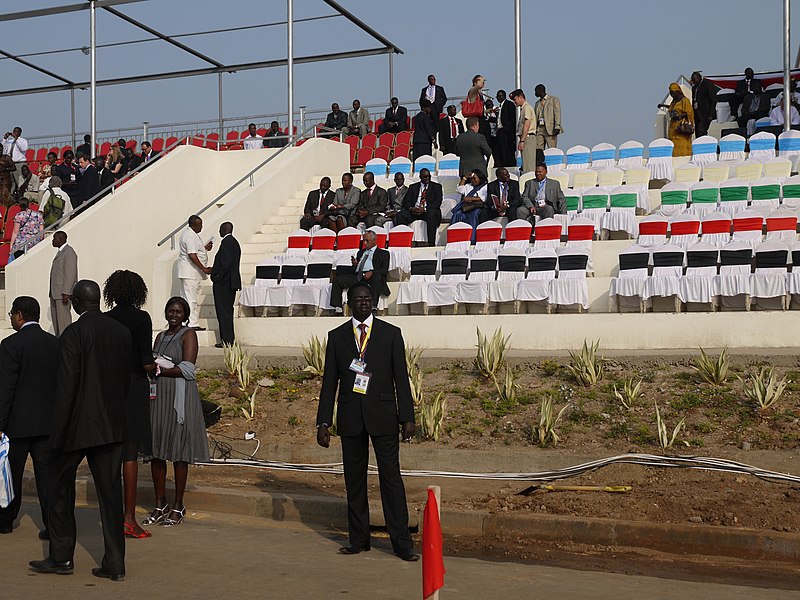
column 253, row 143
column 191, row 243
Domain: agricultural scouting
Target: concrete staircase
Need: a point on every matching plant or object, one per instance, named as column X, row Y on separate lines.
column 267, row 242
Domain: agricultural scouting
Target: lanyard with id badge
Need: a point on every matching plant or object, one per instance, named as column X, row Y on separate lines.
column 359, row 366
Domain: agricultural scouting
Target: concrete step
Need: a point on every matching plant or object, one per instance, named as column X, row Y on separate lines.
column 292, row 220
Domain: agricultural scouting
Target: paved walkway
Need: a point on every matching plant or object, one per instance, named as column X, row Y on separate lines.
column 219, row 556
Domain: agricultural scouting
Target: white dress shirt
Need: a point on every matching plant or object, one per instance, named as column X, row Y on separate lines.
column 365, row 264
column 776, row 116
column 191, row 243
column 253, row 142
column 16, row 150
column 357, row 331
column 431, row 93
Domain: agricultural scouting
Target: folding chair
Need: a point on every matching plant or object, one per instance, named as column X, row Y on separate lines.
column 627, row 288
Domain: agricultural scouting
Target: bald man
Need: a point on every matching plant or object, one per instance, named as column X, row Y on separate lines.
column 88, row 421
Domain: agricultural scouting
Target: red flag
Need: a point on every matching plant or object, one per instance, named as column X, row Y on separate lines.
column 432, row 560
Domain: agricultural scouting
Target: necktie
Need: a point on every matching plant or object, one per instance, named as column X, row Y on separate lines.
column 453, row 130
column 362, row 262
column 362, row 338
column 422, row 198
column 504, row 188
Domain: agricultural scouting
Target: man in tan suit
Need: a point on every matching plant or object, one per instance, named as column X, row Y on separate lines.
column 63, row 277
column 548, row 118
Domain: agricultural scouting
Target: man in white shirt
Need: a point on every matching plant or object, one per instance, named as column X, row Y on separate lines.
column 193, row 267
column 16, row 146
column 253, row 141
column 776, row 116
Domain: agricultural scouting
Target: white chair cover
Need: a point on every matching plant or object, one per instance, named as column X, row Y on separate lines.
column 475, row 290
column 426, row 161
column 609, row 176
column 448, row 165
column 544, row 228
column 443, row 291
column 376, row 166
column 536, row 285
column 704, row 149
column 733, row 280
column 789, row 146
column 400, row 165
column 716, row 171
column 577, row 158
column 621, row 218
column 595, row 214
column 782, row 226
column 638, row 177
column 762, row 145
column 631, row 155
column 677, row 224
column 732, row 207
column 504, row 288
column 664, row 281
column 650, row 240
column 715, row 229
column 660, row 159
column 626, row 289
column 604, row 155
column 415, row 290
column 554, row 159
column 701, row 195
column 496, row 229
column 778, row 167
column 751, row 237
column 680, row 189
column 731, row 147
column 570, row 286
column 723, row 106
column 697, row 285
column 765, row 194
column 768, row 282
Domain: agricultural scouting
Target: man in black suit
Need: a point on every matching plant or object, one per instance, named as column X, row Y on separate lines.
column 85, row 149
column 315, row 212
column 88, row 184
column 747, row 91
column 105, row 176
column 396, row 118
column 449, row 129
column 424, row 133
column 365, row 360
column 435, row 95
column 26, row 399
column 704, row 103
column 506, row 154
column 371, row 267
column 336, row 119
column 148, row 154
column 502, row 197
column 372, row 203
column 88, row 421
column 423, row 201
column 69, row 174
column 226, row 281
column 473, row 149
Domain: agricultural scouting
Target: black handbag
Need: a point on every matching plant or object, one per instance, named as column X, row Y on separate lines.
column 686, row 127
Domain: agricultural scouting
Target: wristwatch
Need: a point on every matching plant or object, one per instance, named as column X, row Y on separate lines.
column 322, row 425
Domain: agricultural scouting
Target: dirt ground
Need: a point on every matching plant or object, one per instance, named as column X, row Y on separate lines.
column 718, row 418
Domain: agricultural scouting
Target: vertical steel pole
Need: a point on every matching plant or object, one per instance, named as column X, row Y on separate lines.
column 219, row 110
column 72, row 112
column 93, row 68
column 145, row 129
column 302, row 119
column 787, row 66
column 391, row 75
column 517, row 46
column 290, row 65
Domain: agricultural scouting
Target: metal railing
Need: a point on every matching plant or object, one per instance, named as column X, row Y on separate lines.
column 314, row 129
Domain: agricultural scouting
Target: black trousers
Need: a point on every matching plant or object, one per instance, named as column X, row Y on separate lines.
column 340, row 284
column 223, row 305
column 422, row 149
column 506, row 149
column 355, row 455
column 105, row 463
column 18, row 450
column 432, row 216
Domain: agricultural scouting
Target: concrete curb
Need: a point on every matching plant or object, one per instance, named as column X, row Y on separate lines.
column 331, row 511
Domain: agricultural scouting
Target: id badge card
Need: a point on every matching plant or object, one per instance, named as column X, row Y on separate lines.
column 152, row 390
column 358, row 366
column 361, row 383
column 541, row 121
column 72, row 176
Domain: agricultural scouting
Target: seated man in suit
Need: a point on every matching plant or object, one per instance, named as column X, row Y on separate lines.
column 502, row 197
column 315, row 212
column 371, row 266
column 423, row 201
column 371, row 205
column 357, row 120
column 344, row 203
column 449, row 129
column 396, row 118
column 396, row 196
column 337, row 119
column 542, row 197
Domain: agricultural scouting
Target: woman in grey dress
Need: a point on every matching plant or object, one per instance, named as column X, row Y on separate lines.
column 176, row 415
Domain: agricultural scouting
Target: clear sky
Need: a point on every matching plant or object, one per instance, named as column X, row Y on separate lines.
column 609, row 62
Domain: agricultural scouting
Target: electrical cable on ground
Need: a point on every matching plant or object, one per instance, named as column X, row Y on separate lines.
column 646, row 460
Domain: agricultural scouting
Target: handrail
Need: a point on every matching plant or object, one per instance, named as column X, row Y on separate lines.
column 102, row 193
column 293, row 138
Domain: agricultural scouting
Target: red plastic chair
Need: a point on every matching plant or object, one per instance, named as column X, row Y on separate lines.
column 41, row 154
column 352, row 155
column 171, row 140
column 401, row 151
column 105, row 148
column 212, row 141
column 5, row 251
column 403, row 138
column 64, row 149
column 262, row 132
column 362, row 156
column 352, row 140
column 30, row 154
column 369, row 141
column 386, row 139
column 301, row 142
column 56, row 150
column 378, row 124
column 34, row 167
column 158, row 144
column 131, row 144
column 382, row 152
column 232, row 136
column 34, row 206
column 198, row 140
column 245, row 133
column 9, row 228
column 236, row 147
column 369, row 124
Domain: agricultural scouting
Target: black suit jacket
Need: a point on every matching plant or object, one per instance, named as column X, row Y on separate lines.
column 439, row 100
column 755, row 86
column 380, row 266
column 91, row 383
column 225, row 271
column 66, row 173
column 27, row 384
column 704, row 96
column 106, row 178
column 508, row 117
column 514, row 197
column 312, row 202
column 387, row 402
column 88, row 185
column 447, row 143
column 401, row 118
column 433, row 197
column 377, row 204
column 423, row 129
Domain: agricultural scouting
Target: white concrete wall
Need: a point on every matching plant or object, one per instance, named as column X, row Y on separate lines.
column 555, row 332
column 248, row 208
column 121, row 231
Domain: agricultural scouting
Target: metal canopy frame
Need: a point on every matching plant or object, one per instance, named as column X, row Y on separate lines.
column 215, row 67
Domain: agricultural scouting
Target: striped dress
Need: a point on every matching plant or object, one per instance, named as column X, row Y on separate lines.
column 172, row 441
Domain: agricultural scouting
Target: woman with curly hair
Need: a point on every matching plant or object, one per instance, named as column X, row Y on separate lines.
column 126, row 292
column 176, row 416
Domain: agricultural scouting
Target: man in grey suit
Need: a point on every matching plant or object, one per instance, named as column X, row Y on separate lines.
column 371, row 204
column 473, row 149
column 357, row 121
column 63, row 277
column 396, row 195
column 542, row 197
